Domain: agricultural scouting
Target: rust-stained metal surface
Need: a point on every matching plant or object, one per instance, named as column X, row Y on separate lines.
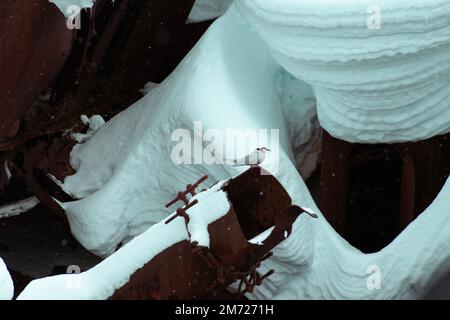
column 98, row 69
column 50, row 76
column 398, row 190
column 34, row 45
column 189, row 271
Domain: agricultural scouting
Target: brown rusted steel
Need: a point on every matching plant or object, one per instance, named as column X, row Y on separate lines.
column 117, row 50
column 190, row 189
column 175, row 273
column 189, row 271
column 333, row 181
column 36, row 155
column 425, row 166
column 258, row 199
column 181, row 212
column 98, row 69
column 35, row 44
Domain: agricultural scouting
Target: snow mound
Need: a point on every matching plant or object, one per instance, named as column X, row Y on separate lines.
column 125, row 173
column 374, row 82
column 6, row 284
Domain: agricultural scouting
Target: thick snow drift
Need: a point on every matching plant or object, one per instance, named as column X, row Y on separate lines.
column 114, row 272
column 229, row 80
column 6, row 284
column 375, row 80
column 125, row 173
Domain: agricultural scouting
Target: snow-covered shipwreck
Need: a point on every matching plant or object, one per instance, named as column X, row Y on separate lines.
column 363, row 112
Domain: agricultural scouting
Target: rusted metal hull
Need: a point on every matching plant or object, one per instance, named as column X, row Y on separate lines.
column 35, row 44
column 189, row 271
column 423, row 168
column 98, row 69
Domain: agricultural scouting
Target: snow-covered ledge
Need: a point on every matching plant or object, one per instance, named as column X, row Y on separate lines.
column 100, row 282
column 380, row 69
column 6, row 284
column 229, row 80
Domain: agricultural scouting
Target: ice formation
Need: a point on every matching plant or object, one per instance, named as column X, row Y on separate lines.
column 19, row 207
column 6, row 284
column 373, row 83
column 230, row 79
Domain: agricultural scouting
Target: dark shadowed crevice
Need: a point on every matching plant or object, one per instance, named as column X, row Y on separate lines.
column 373, row 203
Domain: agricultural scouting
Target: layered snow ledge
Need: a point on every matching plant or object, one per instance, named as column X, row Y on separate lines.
column 372, row 85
